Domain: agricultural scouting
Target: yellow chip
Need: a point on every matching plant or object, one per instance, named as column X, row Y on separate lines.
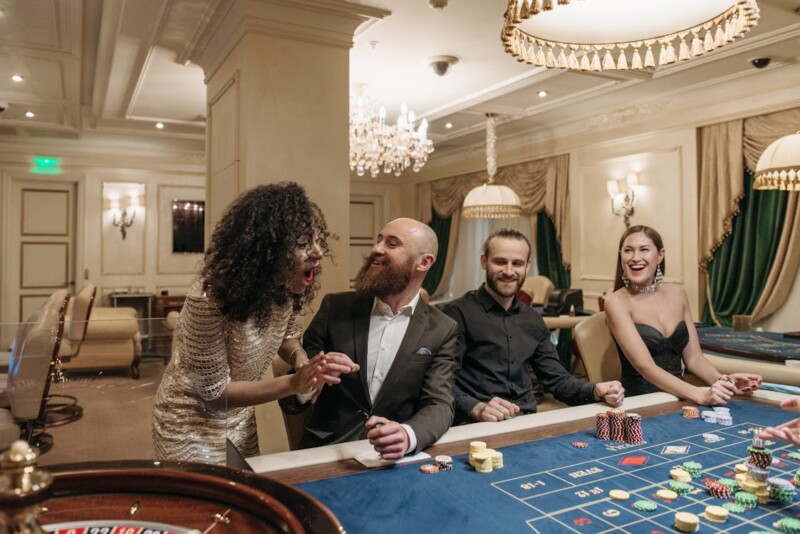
column 740, row 468
column 666, row 494
column 619, row 495
column 680, row 475
column 686, row 522
column 718, row 514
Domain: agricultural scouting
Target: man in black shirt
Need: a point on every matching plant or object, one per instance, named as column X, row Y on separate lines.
column 504, row 337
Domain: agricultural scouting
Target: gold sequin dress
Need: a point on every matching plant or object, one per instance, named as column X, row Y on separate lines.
column 208, row 353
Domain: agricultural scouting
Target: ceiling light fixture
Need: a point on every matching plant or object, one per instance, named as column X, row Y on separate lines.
column 437, row 4
column 160, row 125
column 621, row 34
column 376, row 146
column 448, row 125
column 490, row 200
column 542, row 93
column 779, row 165
column 30, row 114
column 16, row 78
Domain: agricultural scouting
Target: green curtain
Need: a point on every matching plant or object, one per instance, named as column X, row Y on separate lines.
column 740, row 266
column 441, row 226
column 548, row 256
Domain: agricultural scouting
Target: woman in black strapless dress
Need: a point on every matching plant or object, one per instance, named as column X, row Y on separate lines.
column 654, row 331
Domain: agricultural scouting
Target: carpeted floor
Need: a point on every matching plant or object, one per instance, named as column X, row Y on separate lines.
column 116, row 417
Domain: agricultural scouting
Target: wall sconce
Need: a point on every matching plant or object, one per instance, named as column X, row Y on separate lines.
column 623, row 195
column 124, row 219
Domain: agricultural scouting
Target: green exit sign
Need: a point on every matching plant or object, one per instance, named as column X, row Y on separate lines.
column 45, row 165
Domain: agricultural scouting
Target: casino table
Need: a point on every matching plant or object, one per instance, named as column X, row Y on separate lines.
column 546, row 485
column 765, row 346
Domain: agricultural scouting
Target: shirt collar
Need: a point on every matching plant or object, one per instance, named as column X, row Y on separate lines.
column 487, row 301
column 381, row 308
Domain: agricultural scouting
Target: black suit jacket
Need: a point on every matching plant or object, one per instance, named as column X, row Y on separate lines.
column 417, row 391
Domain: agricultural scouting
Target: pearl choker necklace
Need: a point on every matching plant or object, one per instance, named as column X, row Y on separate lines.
column 636, row 288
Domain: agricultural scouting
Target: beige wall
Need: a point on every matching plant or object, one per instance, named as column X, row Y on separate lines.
column 666, row 199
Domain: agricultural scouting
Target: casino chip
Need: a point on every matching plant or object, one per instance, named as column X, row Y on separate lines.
column 644, row 505
column 717, row 514
column 790, row 525
column 619, row 495
column 794, row 455
column 686, row 522
column 667, row 495
column 580, row 444
column 733, row 507
column 429, row 469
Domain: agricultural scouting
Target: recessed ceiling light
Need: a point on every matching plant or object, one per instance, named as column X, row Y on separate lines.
column 17, row 78
column 160, row 125
column 542, row 93
column 30, row 114
column 448, row 125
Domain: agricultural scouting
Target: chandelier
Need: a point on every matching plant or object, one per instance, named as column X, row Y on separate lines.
column 595, row 35
column 376, row 146
column 491, row 200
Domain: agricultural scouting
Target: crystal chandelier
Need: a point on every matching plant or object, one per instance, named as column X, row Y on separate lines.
column 376, row 146
column 594, row 35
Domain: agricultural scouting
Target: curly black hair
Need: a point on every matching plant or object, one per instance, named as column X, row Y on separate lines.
column 250, row 262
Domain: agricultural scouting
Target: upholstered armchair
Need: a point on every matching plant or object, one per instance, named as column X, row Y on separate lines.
column 112, row 341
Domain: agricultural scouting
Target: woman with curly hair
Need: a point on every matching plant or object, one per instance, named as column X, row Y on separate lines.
column 246, row 306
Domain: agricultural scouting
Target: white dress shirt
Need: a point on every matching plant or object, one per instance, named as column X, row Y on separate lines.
column 386, row 333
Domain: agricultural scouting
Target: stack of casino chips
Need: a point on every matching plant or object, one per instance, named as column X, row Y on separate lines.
column 617, row 425
column 691, row 412
column 474, row 448
column 481, row 461
column 693, row 468
column 445, row 463
column 760, row 456
column 717, row 489
column 781, row 490
column 789, row 525
column 723, row 414
column 602, row 426
column 633, row 429
column 796, row 479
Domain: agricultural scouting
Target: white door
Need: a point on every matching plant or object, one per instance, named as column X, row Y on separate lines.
column 40, row 219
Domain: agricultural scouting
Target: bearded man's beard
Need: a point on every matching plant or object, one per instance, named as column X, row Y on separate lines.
column 492, row 283
column 390, row 279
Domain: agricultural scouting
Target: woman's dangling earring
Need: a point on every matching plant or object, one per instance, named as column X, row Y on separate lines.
column 625, row 279
column 659, row 276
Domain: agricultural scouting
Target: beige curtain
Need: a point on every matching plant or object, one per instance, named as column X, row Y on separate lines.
column 725, row 151
column 721, row 184
column 540, row 184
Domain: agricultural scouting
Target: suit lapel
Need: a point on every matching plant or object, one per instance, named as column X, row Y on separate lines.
column 362, row 309
column 416, row 327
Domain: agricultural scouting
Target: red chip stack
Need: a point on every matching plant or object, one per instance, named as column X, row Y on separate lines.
column 633, row 429
column 602, row 426
column 617, row 424
column 718, row 490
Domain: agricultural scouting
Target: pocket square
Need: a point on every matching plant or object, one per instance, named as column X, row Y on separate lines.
column 424, row 351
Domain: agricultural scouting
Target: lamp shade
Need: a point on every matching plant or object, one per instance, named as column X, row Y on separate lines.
column 491, row 201
column 595, row 35
column 779, row 165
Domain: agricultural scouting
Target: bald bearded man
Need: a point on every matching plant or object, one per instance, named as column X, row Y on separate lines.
column 401, row 397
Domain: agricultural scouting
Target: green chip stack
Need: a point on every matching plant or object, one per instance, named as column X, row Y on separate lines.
column 681, row 488
column 748, row 500
column 645, row 505
column 733, row 507
column 693, row 468
column 728, row 482
column 789, row 525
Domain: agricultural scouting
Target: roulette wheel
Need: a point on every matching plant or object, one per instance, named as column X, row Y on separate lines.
column 150, row 497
